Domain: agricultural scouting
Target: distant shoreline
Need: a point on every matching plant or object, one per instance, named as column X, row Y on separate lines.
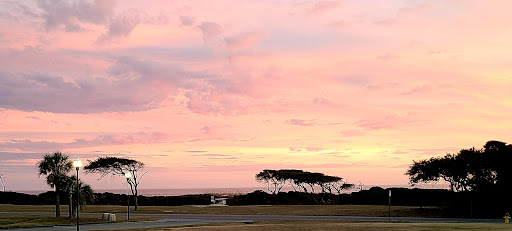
column 165, row 192
column 230, row 191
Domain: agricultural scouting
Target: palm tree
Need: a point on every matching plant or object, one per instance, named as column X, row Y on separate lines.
column 67, row 186
column 55, row 166
column 86, row 195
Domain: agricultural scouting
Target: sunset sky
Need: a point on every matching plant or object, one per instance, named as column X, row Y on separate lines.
column 209, row 93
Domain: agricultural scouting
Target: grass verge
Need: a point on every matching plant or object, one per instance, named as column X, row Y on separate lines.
column 305, row 210
column 341, row 226
column 24, row 221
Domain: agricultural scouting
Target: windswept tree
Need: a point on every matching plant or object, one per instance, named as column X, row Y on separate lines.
column 55, row 166
column 303, row 181
column 275, row 182
column 116, row 166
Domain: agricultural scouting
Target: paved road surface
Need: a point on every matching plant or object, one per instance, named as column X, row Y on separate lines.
column 169, row 220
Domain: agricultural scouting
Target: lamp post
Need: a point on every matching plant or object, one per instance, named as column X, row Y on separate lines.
column 128, row 175
column 77, row 163
column 389, row 206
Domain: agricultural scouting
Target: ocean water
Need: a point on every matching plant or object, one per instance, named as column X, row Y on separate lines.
column 169, row 192
column 187, row 191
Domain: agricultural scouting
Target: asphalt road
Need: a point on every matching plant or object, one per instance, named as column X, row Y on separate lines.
column 170, row 220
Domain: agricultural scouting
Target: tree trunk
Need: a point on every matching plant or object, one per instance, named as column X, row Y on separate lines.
column 70, row 209
column 135, row 200
column 57, row 202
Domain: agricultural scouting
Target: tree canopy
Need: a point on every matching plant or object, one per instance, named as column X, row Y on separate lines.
column 301, row 181
column 468, row 169
column 55, row 166
column 112, row 166
column 116, row 166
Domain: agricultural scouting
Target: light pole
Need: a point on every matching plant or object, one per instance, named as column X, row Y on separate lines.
column 2, row 181
column 389, row 206
column 77, row 163
column 128, row 175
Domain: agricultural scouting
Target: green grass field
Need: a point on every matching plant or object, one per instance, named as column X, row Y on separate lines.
column 19, row 221
column 341, row 226
column 306, row 210
column 16, row 221
column 347, row 210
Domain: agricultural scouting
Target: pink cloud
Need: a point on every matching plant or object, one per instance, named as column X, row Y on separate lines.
column 210, row 30
column 186, row 21
column 340, row 24
column 305, row 149
column 94, row 94
column 216, row 156
column 314, row 149
column 387, row 57
column 322, row 6
column 102, row 140
column 402, row 13
column 300, row 122
column 321, row 100
column 352, row 132
column 121, row 26
column 417, row 9
column 205, row 129
column 428, row 151
column 243, row 40
column 388, row 122
column 386, row 22
column 425, row 88
column 211, row 103
column 72, row 14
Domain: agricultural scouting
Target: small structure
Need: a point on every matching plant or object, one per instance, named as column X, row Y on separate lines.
column 506, row 217
column 219, row 200
column 109, row 217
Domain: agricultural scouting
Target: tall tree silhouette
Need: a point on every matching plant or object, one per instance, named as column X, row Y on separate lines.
column 469, row 169
column 55, row 166
column 115, row 166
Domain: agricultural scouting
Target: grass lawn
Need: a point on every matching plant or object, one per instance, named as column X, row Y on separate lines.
column 313, row 210
column 19, row 221
column 333, row 225
column 12, row 221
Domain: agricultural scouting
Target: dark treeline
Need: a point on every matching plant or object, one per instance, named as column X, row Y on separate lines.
column 373, row 196
column 444, row 202
column 107, row 198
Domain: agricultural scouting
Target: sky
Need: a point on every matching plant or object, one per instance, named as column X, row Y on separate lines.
column 209, row 93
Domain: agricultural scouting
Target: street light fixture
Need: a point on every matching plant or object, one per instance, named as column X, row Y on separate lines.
column 77, row 163
column 128, row 175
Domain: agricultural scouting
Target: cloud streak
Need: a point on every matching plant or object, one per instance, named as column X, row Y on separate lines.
column 72, row 14
column 103, row 140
